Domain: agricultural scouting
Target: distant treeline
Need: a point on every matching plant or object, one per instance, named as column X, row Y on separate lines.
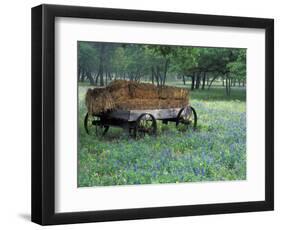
column 99, row 63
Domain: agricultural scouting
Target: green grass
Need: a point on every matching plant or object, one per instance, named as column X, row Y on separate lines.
column 215, row 152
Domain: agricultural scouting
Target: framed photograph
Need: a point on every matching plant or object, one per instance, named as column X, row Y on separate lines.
column 142, row 114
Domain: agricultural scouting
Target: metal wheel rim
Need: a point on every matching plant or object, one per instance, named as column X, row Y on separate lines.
column 146, row 124
column 90, row 128
column 187, row 117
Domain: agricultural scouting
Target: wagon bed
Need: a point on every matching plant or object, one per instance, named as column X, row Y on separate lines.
column 140, row 122
column 132, row 115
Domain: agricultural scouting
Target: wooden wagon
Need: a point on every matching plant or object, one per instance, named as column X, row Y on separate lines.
column 140, row 122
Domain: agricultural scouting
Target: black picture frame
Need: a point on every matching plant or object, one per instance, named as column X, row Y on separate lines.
column 43, row 114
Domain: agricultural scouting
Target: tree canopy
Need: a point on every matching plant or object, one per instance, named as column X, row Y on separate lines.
column 99, row 63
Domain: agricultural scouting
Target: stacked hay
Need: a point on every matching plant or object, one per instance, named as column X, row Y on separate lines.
column 139, row 104
column 99, row 100
column 168, row 92
column 127, row 95
column 143, row 90
column 119, row 90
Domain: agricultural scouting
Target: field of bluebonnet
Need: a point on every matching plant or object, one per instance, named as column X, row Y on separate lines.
column 215, row 152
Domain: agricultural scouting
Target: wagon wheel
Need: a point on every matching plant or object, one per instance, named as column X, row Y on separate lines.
column 186, row 118
column 145, row 124
column 93, row 124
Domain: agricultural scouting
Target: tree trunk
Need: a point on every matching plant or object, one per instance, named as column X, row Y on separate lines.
column 165, row 71
column 214, row 78
column 227, row 85
column 204, row 79
column 82, row 75
column 97, row 78
column 157, row 76
column 101, row 64
column 198, row 80
column 183, row 79
column 110, row 76
column 229, row 88
column 152, row 75
column 79, row 73
column 90, row 77
column 192, row 81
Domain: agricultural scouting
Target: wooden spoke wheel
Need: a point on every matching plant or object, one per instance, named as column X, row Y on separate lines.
column 187, row 118
column 145, row 124
column 93, row 125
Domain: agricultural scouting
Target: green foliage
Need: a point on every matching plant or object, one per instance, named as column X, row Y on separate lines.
column 87, row 56
column 160, row 64
column 237, row 67
column 185, row 60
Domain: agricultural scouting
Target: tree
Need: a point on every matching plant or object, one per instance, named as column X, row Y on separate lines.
column 237, row 68
column 159, row 60
column 185, row 62
column 99, row 62
column 87, row 59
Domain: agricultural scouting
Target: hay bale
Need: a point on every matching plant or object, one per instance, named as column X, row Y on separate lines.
column 128, row 95
column 119, row 89
column 116, row 84
column 173, row 103
column 171, row 92
column 132, row 104
column 122, row 89
column 99, row 100
column 143, row 90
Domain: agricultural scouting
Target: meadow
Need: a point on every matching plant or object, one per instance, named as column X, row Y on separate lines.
column 216, row 151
